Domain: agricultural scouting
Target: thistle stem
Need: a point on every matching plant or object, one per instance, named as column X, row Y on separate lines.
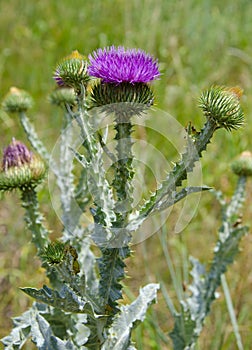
column 33, row 218
column 33, row 137
column 111, row 264
column 123, row 168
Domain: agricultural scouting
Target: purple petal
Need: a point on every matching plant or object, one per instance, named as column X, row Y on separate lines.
column 16, row 154
column 117, row 65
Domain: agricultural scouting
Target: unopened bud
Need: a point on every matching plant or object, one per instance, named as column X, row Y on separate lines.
column 222, row 105
column 242, row 166
column 17, row 101
column 63, row 96
column 72, row 71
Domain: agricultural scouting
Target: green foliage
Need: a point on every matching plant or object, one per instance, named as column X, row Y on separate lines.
column 195, row 308
column 33, row 324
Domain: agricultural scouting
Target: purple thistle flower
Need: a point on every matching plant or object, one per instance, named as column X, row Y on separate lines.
column 117, row 65
column 16, row 154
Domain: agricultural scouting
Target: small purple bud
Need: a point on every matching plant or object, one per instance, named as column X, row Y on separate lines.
column 15, row 155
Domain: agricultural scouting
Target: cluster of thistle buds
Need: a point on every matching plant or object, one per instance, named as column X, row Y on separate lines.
column 110, row 77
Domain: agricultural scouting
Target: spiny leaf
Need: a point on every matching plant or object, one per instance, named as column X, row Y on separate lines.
column 183, row 330
column 111, row 268
column 31, row 324
column 66, row 299
column 119, row 332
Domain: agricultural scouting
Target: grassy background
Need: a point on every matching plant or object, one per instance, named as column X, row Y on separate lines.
column 198, row 43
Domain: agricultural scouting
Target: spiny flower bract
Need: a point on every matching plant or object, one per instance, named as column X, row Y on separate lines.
column 118, row 65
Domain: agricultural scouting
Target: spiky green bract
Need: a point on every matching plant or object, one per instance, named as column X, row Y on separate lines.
column 72, row 71
column 242, row 166
column 222, row 105
column 195, row 308
column 123, row 99
column 17, row 101
column 24, row 176
column 63, row 96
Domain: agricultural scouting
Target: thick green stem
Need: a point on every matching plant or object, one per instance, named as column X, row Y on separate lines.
column 123, row 167
column 33, row 218
column 111, row 264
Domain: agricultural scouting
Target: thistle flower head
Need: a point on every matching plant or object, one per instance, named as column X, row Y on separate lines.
column 17, row 101
column 117, row 65
column 72, row 71
column 20, row 168
column 124, row 74
column 222, row 105
column 242, row 166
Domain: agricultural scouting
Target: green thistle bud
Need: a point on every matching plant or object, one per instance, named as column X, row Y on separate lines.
column 57, row 253
column 20, row 168
column 63, row 96
column 72, row 71
column 124, row 98
column 242, row 166
column 54, row 253
column 17, row 101
column 222, row 105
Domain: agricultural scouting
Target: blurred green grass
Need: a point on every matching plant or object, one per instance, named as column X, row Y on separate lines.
column 198, row 43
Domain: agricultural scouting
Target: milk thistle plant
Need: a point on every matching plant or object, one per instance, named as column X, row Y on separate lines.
column 83, row 308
